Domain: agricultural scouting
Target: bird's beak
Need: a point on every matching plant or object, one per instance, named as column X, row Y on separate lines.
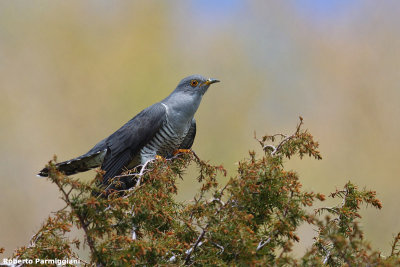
column 210, row 81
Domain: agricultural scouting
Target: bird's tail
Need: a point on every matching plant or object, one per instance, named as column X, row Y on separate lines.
column 80, row 164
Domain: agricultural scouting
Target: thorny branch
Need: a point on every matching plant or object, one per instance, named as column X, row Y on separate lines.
column 81, row 218
column 32, row 243
column 274, row 233
column 190, row 251
column 286, row 138
column 138, row 175
column 220, row 247
column 143, row 171
column 344, row 193
column 395, row 246
column 200, row 237
column 263, row 243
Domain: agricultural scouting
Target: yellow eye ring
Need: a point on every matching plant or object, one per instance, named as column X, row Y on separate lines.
column 194, row 83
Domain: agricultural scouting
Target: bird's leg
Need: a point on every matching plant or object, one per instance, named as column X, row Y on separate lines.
column 183, row 151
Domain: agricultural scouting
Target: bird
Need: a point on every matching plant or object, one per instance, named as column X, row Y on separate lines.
column 159, row 130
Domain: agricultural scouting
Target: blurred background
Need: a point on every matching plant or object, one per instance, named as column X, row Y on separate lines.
column 73, row 72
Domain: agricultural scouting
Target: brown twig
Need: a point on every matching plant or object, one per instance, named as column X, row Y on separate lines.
column 287, row 138
column 190, row 251
column 80, row 217
column 395, row 246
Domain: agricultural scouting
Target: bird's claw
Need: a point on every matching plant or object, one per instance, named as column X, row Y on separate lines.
column 158, row 157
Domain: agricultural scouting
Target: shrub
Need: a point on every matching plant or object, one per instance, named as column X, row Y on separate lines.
column 251, row 220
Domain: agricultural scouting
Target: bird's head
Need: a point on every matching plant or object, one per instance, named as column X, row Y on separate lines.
column 195, row 84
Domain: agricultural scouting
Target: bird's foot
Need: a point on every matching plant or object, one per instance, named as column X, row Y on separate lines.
column 158, row 157
column 183, row 151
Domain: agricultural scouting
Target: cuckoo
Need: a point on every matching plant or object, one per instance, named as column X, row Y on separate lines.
column 160, row 129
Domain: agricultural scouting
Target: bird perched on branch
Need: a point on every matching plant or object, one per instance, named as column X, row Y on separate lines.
column 160, row 129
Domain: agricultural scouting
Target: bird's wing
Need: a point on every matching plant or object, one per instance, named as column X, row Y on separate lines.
column 126, row 142
column 189, row 139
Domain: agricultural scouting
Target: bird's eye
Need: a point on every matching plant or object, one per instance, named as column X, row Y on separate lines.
column 194, row 83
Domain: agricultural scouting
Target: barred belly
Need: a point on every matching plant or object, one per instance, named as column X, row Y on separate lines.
column 164, row 143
